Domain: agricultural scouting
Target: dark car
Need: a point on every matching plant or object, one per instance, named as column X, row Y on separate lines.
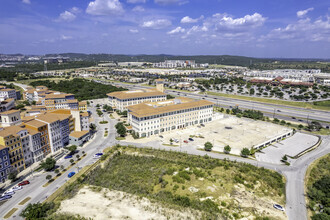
column 71, row 174
column 5, row 197
column 25, row 182
column 202, row 125
column 279, row 110
column 190, row 139
column 68, row 157
column 99, row 154
column 293, row 117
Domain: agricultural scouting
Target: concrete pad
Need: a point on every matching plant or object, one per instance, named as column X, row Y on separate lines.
column 290, row 146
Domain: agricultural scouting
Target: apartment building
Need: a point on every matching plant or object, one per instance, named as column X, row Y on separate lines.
column 156, row 117
column 4, row 163
column 54, row 131
column 7, row 93
column 9, row 138
column 121, row 100
column 9, row 118
column 36, row 145
column 7, row 105
column 84, row 121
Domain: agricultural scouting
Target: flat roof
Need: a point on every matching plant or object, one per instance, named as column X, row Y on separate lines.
column 156, row 108
column 9, row 112
column 136, row 93
column 11, row 130
column 78, row 134
column 35, row 123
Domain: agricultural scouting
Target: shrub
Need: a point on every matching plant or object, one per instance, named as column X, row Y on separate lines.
column 208, row 146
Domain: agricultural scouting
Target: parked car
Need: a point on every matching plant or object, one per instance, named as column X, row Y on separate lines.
column 278, row 207
column 25, row 182
column 185, row 141
column 293, row 117
column 71, row 174
column 99, row 154
column 15, row 188
column 176, row 140
column 190, row 139
column 68, row 157
column 279, row 110
column 8, row 193
column 161, row 136
column 5, row 197
column 202, row 125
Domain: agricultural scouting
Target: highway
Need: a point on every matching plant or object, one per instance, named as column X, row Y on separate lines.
column 279, row 111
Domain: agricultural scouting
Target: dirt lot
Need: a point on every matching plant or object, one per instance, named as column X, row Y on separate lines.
column 235, row 132
column 107, row 204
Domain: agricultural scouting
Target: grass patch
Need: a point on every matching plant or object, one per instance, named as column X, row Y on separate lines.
column 105, row 133
column 171, row 145
column 10, row 213
column 317, row 188
column 103, row 122
column 111, row 116
column 308, row 105
column 24, row 201
column 170, row 178
column 120, row 138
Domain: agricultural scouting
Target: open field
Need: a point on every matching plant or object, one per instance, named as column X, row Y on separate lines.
column 323, row 106
column 172, row 181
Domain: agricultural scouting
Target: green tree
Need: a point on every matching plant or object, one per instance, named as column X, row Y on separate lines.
column 245, row 152
column 208, row 146
column 48, row 177
column 57, row 171
column 72, row 161
column 77, row 156
column 48, row 164
column 121, row 130
column 252, row 91
column 227, row 149
column 72, row 149
column 13, row 175
column 284, row 158
column 92, row 127
column 37, row 210
column 300, row 126
column 227, row 110
column 171, row 141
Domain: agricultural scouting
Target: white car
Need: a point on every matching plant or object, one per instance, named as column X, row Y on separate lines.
column 8, row 193
column 278, row 207
column 15, row 188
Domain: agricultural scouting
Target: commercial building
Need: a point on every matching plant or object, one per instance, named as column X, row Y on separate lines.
column 121, row 100
column 156, row 117
column 279, row 81
column 79, row 137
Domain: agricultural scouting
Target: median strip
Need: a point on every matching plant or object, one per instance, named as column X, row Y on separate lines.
column 10, row 213
column 24, row 201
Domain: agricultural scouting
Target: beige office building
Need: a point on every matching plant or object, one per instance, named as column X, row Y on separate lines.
column 156, row 117
column 121, row 100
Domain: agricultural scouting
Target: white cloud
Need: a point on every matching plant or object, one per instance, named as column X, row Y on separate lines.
column 226, row 22
column 171, row 2
column 136, row 1
column 303, row 29
column 302, row 13
column 75, row 10
column 176, row 30
column 66, row 16
column 138, row 9
column 64, row 37
column 26, row 1
column 134, row 31
column 188, row 19
column 156, row 24
column 104, row 7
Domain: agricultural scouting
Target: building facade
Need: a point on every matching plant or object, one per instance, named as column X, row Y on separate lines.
column 4, row 163
column 121, row 100
column 154, row 118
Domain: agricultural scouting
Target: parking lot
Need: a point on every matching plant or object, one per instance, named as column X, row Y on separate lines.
column 235, row 132
column 290, row 147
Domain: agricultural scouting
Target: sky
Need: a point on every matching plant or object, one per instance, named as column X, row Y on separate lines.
column 257, row 28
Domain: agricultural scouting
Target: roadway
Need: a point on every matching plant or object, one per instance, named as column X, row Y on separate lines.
column 278, row 111
column 35, row 189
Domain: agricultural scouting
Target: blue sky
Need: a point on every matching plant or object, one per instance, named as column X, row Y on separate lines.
column 258, row 28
